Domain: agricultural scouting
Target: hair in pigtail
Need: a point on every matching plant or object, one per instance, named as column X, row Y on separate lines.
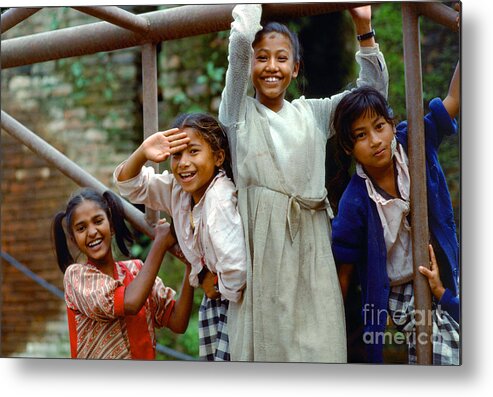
column 117, row 217
column 62, row 251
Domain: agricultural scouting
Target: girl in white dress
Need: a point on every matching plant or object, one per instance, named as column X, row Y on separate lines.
column 292, row 309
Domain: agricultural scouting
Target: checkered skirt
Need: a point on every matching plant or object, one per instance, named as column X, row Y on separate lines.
column 446, row 344
column 213, row 330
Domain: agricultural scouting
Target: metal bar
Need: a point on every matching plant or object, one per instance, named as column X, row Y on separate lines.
column 14, row 16
column 68, row 167
column 119, row 17
column 33, row 276
column 440, row 13
column 169, row 24
column 149, row 86
column 417, row 171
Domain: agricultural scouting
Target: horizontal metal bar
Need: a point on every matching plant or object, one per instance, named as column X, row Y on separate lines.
column 169, row 24
column 440, row 13
column 14, row 16
column 68, row 167
column 174, row 353
column 33, row 276
column 119, row 17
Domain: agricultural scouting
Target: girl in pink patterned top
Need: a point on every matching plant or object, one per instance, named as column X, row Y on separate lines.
column 114, row 307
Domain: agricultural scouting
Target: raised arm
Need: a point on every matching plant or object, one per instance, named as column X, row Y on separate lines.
column 245, row 25
column 158, row 147
column 179, row 318
column 139, row 289
column 362, row 23
column 452, row 100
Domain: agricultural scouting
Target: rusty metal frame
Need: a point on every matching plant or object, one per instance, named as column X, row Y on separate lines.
column 122, row 29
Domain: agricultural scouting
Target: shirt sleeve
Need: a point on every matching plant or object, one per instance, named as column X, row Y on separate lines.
column 246, row 23
column 349, row 230
column 93, row 293
column 162, row 302
column 451, row 304
column 373, row 72
column 148, row 188
column 225, row 247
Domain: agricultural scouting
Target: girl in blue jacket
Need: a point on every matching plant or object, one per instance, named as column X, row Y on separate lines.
column 372, row 229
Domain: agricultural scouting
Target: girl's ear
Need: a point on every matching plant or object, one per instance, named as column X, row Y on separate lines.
column 296, row 70
column 219, row 157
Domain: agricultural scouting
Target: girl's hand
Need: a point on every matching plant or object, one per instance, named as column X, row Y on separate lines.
column 209, row 287
column 159, row 146
column 164, row 234
column 433, row 275
column 361, row 15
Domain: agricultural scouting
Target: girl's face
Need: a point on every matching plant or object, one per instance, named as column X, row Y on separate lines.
column 194, row 168
column 273, row 68
column 372, row 142
column 91, row 230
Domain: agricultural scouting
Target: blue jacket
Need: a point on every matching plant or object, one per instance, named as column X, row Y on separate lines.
column 357, row 234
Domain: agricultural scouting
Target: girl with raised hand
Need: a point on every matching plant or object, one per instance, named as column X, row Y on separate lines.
column 292, row 308
column 113, row 307
column 200, row 196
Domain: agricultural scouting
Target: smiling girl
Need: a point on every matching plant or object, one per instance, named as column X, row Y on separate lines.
column 292, row 308
column 372, row 229
column 113, row 307
column 200, row 197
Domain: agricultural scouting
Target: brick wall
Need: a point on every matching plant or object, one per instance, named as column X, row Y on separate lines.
column 89, row 109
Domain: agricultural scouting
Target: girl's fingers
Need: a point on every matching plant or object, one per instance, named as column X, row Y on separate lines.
column 171, row 131
column 433, row 261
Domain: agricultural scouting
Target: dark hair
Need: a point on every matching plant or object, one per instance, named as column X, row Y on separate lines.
column 277, row 27
column 213, row 133
column 360, row 101
column 112, row 206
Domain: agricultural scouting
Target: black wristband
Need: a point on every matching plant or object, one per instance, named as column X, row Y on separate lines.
column 365, row 36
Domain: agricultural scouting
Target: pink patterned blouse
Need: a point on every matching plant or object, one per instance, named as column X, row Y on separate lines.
column 96, row 301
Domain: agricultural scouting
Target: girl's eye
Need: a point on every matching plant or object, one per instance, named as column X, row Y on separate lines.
column 99, row 221
column 176, row 155
column 79, row 229
column 359, row 135
column 194, row 151
column 379, row 126
column 283, row 59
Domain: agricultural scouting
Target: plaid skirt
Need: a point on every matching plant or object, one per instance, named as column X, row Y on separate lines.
column 213, row 330
column 446, row 344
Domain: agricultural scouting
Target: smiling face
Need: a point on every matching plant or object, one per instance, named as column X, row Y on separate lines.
column 373, row 136
column 91, row 231
column 195, row 167
column 273, row 68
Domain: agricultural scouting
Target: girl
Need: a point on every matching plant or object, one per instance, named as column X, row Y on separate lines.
column 292, row 308
column 113, row 307
column 200, row 197
column 372, row 230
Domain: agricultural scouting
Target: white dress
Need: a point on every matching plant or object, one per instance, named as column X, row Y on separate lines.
column 292, row 308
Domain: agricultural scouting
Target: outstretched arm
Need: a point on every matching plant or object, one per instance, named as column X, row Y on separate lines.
column 179, row 318
column 452, row 100
column 158, row 147
column 139, row 289
column 362, row 23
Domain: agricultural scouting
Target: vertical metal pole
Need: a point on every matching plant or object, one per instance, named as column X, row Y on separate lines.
column 417, row 171
column 149, row 84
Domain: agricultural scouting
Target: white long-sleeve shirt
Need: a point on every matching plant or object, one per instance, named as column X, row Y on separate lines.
column 215, row 240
